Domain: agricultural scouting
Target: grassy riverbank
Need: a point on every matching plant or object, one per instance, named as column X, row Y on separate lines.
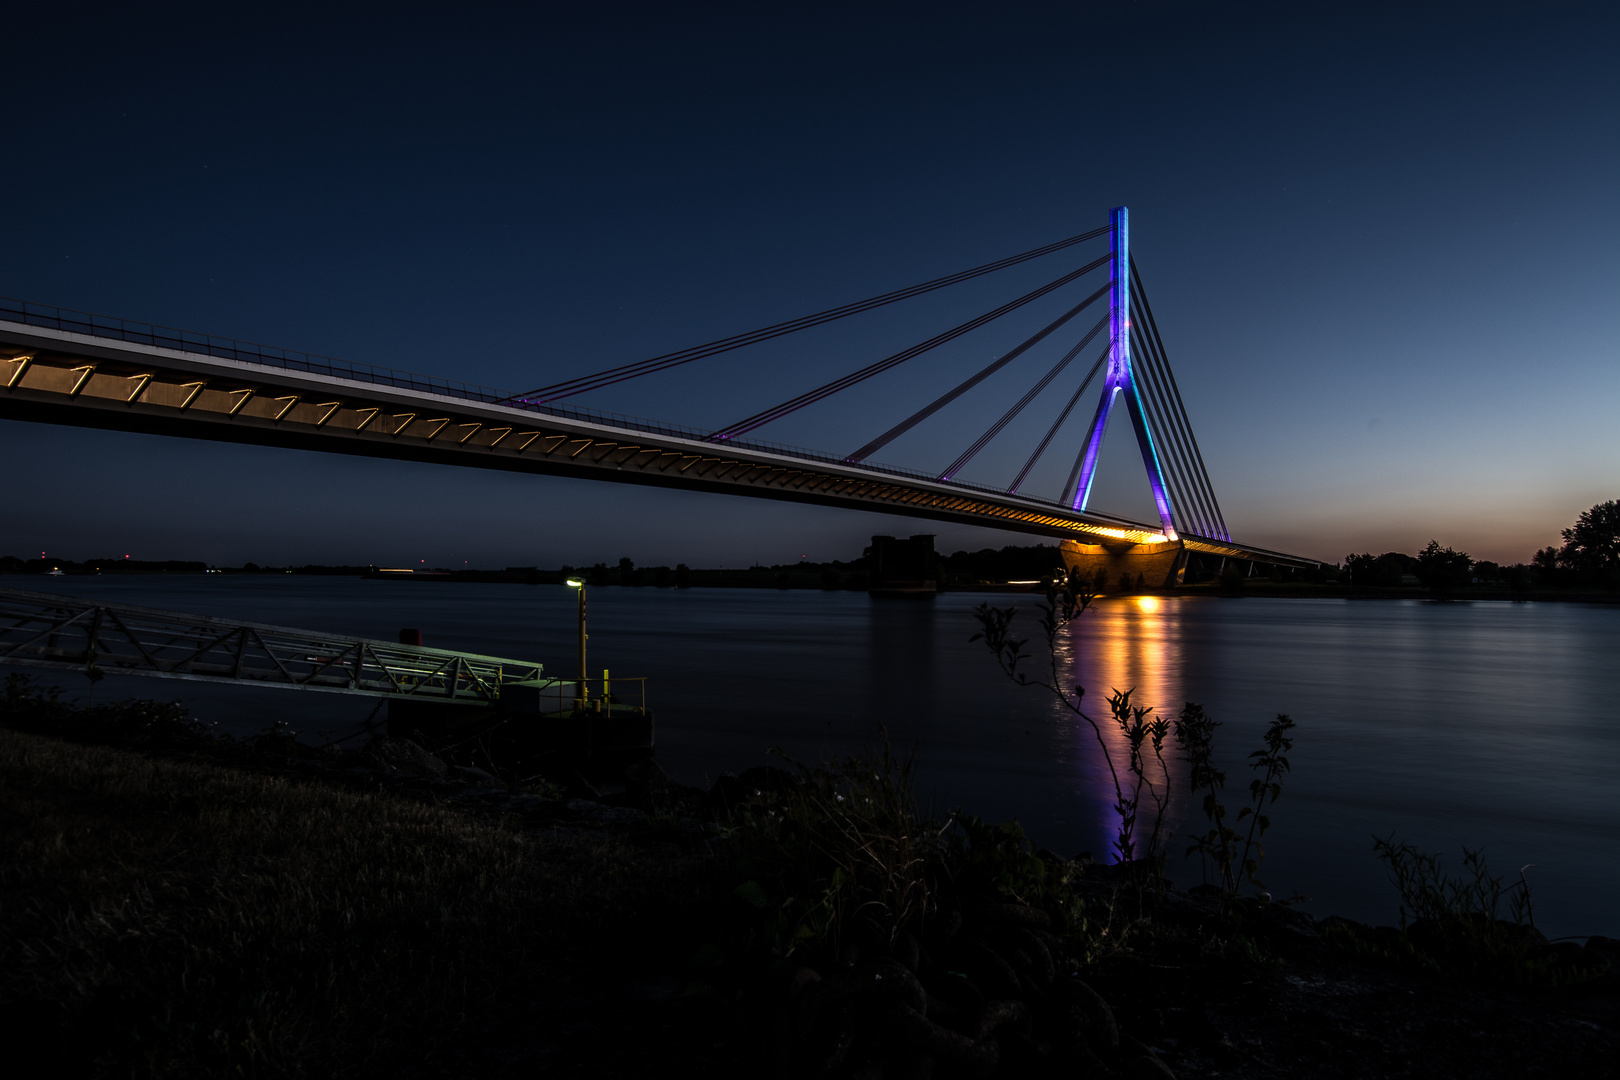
column 174, row 905
column 189, row 918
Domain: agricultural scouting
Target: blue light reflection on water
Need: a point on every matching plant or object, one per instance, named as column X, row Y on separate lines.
column 1487, row 724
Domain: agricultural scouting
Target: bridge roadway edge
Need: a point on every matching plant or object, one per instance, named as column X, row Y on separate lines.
column 82, row 365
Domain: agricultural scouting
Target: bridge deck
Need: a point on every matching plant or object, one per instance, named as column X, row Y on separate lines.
column 66, row 368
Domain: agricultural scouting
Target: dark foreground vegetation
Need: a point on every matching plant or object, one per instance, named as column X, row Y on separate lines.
column 173, row 904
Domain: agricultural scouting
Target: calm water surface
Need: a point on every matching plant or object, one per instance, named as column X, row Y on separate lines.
column 1487, row 724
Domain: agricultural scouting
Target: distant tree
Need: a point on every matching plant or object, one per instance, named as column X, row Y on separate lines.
column 1368, row 571
column 1442, row 570
column 683, row 575
column 1546, row 571
column 1485, row 570
column 1592, row 545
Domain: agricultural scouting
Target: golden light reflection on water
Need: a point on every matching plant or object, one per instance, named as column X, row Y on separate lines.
column 1126, row 643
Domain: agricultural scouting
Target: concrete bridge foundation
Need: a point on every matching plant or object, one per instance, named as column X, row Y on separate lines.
column 1127, row 567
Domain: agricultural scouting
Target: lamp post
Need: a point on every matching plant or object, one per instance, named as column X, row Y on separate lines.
column 584, row 691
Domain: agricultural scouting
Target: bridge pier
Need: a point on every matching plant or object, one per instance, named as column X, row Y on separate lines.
column 1126, row 567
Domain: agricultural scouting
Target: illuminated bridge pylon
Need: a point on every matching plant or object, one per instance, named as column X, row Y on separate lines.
column 1139, row 372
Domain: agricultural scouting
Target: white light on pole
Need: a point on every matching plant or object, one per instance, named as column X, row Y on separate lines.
column 579, row 583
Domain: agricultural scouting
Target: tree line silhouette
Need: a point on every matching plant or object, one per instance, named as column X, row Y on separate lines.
column 1588, row 559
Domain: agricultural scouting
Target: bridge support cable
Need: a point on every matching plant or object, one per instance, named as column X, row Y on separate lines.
column 1178, row 431
column 1022, row 403
column 1058, row 423
column 810, row 397
column 583, row 383
column 1179, row 471
column 1191, row 496
column 1192, row 440
column 1140, row 393
column 1151, row 332
column 973, row 380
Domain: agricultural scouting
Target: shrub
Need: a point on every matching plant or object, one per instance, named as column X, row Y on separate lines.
column 1443, row 570
column 1457, row 921
column 830, row 844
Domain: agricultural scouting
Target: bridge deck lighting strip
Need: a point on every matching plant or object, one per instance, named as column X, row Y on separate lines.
column 196, row 389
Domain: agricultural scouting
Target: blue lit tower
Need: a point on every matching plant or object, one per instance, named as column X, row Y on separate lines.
column 1119, row 380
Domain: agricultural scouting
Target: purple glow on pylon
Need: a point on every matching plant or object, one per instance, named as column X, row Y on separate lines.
column 1121, row 377
column 1119, row 359
column 1099, row 424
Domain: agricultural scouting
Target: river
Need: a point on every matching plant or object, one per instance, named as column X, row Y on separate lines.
column 1491, row 725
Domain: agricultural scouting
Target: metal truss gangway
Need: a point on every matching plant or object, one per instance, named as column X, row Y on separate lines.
column 46, row 630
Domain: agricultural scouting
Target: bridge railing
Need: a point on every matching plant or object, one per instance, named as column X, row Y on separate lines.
column 82, row 322
column 94, row 638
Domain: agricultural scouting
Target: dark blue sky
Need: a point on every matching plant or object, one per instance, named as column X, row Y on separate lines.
column 1381, row 243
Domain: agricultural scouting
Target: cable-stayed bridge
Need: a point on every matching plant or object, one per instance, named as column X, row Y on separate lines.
column 68, row 367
